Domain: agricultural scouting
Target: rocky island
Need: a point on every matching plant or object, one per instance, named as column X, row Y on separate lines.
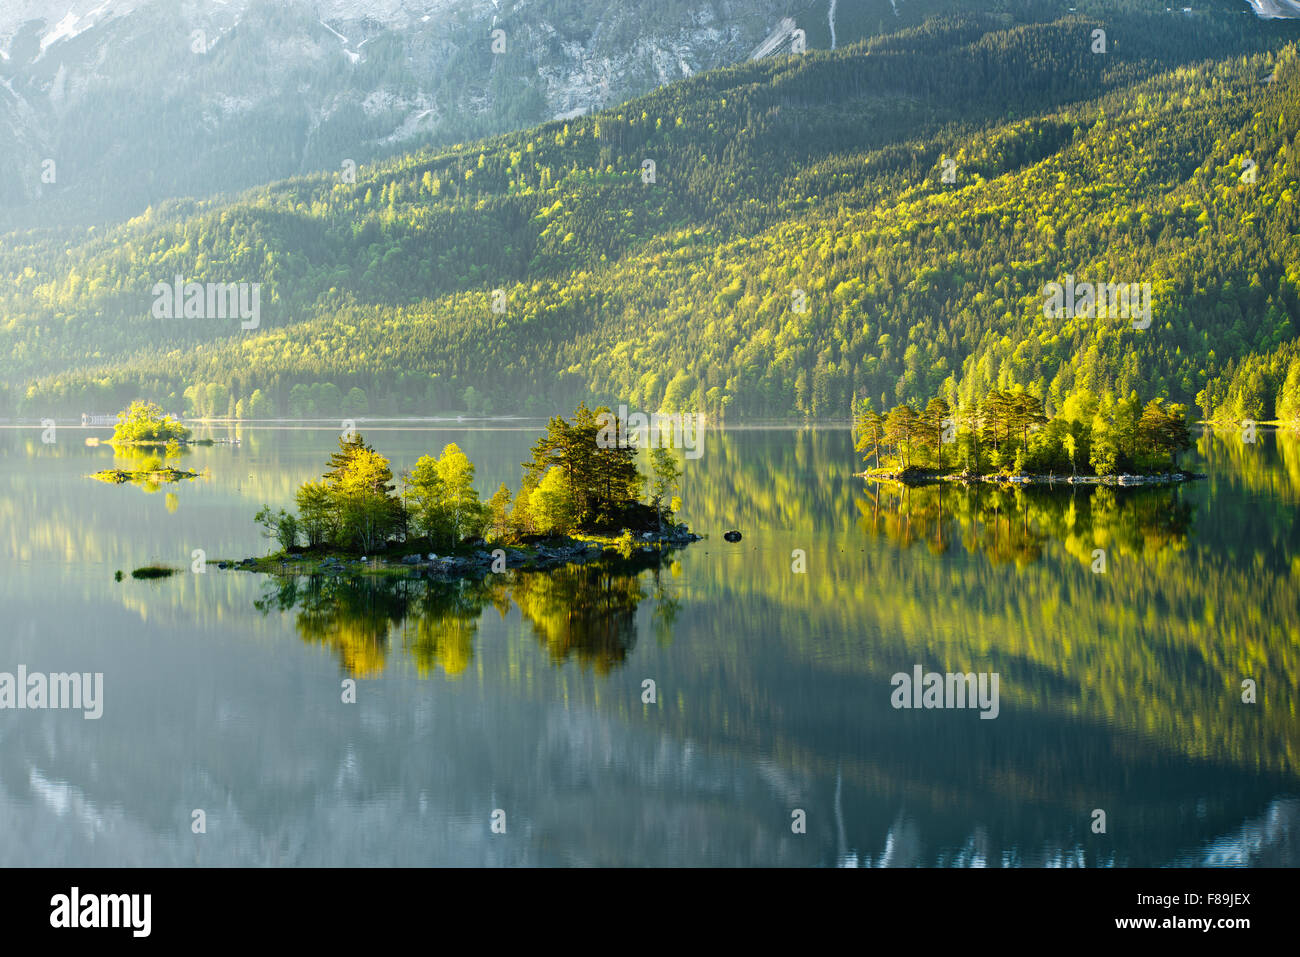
column 579, row 501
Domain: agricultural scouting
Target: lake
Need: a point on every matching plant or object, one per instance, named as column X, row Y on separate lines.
column 773, row 737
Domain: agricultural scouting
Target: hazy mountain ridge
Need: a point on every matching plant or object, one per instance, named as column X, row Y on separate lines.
column 97, row 87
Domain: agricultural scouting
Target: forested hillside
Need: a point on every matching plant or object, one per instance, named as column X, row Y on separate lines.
column 874, row 220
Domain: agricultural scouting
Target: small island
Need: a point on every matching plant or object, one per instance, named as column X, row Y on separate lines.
column 580, row 500
column 1006, row 437
column 145, row 425
column 149, row 474
column 145, row 432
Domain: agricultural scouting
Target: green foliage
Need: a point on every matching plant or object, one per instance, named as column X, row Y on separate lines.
column 868, row 430
column 355, row 402
column 500, row 526
column 665, row 473
column 1163, row 433
column 355, row 505
column 144, row 423
column 935, row 421
column 1008, row 431
column 150, row 571
column 521, row 512
column 602, row 479
column 574, row 481
column 446, row 508
column 1288, row 400
column 551, row 503
column 259, row 406
column 902, row 427
column 1259, row 386
column 368, row 510
column 280, row 526
column 1105, row 447
column 821, row 173
column 317, row 514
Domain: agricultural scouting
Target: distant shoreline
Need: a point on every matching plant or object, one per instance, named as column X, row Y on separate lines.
column 914, row 477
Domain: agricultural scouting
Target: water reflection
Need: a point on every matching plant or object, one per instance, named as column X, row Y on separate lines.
column 1119, row 690
column 584, row 613
column 1013, row 525
column 148, row 468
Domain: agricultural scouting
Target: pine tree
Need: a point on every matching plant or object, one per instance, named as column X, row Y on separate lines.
column 901, row 427
column 935, row 420
column 869, row 426
column 350, row 445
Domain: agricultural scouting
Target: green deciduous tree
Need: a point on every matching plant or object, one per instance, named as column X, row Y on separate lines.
column 1162, row 431
column 664, row 475
column 368, row 509
column 499, row 523
column 552, row 504
column 280, row 526
column 146, row 423
column 446, row 505
column 1105, row 447
column 317, row 513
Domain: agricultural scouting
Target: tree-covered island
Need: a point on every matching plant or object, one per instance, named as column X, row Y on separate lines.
column 145, row 424
column 148, row 436
column 1007, row 437
column 578, row 496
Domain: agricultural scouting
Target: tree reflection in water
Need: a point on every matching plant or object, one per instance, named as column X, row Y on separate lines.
column 585, row 613
column 1012, row 524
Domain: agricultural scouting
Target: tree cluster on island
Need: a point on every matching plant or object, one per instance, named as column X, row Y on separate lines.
column 1008, row 432
column 146, row 438
column 572, row 484
column 145, row 423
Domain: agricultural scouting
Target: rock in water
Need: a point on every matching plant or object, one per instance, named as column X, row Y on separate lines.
column 731, row 536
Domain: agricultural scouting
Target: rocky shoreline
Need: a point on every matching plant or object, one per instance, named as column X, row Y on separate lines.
column 542, row 555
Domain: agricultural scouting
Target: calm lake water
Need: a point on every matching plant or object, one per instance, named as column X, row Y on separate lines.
column 1119, row 691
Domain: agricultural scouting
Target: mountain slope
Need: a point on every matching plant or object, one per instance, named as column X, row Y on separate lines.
column 821, row 175
column 138, row 101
